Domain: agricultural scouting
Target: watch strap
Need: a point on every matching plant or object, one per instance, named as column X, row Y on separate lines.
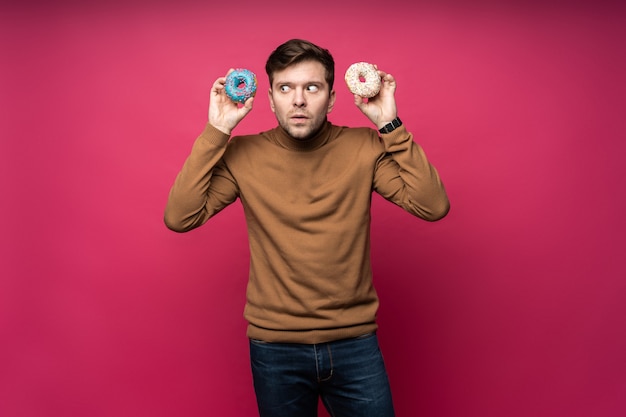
column 391, row 126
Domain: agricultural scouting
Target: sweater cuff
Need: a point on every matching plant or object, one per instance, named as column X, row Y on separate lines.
column 214, row 136
column 398, row 135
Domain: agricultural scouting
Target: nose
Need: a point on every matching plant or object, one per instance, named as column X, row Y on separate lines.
column 298, row 99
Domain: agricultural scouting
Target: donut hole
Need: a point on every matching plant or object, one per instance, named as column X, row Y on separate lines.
column 362, row 79
column 240, row 84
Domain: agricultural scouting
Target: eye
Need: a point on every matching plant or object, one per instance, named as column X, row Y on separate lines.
column 284, row 88
column 313, row 88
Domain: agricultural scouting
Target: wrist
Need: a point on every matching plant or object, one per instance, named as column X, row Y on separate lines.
column 224, row 129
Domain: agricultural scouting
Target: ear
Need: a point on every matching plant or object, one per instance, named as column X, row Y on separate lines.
column 269, row 95
column 331, row 101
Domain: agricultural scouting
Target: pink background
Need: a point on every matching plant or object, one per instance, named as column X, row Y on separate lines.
column 513, row 305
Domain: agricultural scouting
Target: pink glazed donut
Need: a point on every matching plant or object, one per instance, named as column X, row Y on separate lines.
column 363, row 71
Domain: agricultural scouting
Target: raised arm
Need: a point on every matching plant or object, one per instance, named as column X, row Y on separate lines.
column 404, row 175
column 203, row 187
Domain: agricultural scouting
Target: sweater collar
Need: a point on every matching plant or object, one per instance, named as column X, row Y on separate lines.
column 283, row 138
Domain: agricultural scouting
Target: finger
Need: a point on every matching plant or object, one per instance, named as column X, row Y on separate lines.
column 219, row 84
column 358, row 100
column 389, row 81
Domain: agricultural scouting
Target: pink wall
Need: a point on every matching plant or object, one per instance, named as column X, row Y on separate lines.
column 513, row 305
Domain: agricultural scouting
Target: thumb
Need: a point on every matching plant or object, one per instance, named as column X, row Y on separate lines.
column 247, row 106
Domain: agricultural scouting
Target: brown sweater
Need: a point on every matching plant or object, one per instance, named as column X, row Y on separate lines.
column 307, row 208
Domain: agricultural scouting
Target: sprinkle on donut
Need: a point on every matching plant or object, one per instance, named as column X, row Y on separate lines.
column 240, row 85
column 363, row 80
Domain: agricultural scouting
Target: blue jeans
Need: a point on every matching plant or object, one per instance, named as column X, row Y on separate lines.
column 348, row 375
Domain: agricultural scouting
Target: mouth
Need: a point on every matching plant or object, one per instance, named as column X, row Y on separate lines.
column 299, row 118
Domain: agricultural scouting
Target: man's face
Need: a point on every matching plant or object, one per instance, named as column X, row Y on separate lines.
column 300, row 98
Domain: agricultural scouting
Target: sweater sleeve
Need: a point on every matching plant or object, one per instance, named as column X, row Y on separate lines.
column 203, row 187
column 405, row 177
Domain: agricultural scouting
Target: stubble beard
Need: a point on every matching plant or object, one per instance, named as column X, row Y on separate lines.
column 300, row 135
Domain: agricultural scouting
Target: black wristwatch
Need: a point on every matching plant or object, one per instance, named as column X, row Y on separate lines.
column 391, row 126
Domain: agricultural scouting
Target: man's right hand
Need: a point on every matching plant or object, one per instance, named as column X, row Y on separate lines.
column 225, row 114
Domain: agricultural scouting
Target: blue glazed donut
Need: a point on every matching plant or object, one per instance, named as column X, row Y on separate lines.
column 240, row 85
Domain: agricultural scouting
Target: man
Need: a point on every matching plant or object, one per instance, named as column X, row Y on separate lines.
column 305, row 187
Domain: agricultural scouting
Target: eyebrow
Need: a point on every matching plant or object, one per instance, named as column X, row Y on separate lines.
column 319, row 83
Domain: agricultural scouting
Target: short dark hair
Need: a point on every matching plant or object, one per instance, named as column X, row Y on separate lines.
column 295, row 51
